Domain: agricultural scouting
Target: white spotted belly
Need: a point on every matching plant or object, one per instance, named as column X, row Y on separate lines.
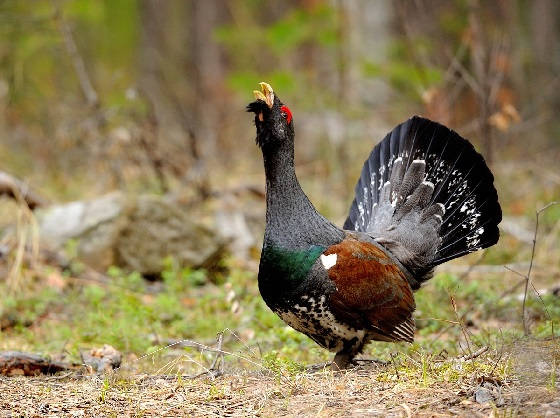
column 313, row 318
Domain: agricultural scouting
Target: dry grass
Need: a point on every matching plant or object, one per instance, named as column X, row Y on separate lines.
column 521, row 380
column 519, row 374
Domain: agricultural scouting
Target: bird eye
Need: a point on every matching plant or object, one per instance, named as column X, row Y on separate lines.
column 286, row 114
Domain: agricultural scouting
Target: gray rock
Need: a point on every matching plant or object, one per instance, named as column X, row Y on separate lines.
column 132, row 233
column 233, row 227
column 61, row 222
column 94, row 225
column 483, row 395
column 159, row 228
column 102, row 359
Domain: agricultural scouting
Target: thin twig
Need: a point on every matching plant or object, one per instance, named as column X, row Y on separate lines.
column 528, row 276
column 204, row 347
column 462, row 277
column 84, row 79
column 545, row 308
column 518, row 273
column 19, row 190
column 474, row 355
column 395, row 365
column 467, row 76
column 219, row 359
column 461, row 323
column 26, row 227
column 501, row 354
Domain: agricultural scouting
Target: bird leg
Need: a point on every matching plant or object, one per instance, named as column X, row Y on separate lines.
column 342, row 360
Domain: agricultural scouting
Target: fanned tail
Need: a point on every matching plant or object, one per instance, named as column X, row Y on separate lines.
column 427, row 196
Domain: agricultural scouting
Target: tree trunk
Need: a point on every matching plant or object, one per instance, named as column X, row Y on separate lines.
column 208, row 72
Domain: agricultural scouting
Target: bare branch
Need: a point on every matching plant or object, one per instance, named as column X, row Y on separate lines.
column 461, row 322
column 13, row 363
column 528, row 276
column 467, row 76
column 515, row 272
column 77, row 61
column 477, row 353
column 17, row 189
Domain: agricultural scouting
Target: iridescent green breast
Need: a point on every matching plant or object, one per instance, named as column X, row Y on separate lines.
column 282, row 271
column 291, row 265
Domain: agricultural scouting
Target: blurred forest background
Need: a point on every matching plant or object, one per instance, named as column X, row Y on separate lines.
column 149, row 95
column 146, row 99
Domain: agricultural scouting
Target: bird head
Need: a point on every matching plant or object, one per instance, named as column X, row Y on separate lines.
column 273, row 119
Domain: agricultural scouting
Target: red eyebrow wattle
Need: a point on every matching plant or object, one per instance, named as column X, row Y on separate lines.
column 288, row 113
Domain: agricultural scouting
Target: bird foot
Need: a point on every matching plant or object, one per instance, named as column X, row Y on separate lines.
column 343, row 361
column 317, row 367
column 360, row 361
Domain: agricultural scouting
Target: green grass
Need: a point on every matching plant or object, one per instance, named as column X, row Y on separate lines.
column 140, row 317
column 266, row 367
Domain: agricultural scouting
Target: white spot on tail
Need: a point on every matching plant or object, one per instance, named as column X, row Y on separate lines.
column 328, row 260
column 429, row 184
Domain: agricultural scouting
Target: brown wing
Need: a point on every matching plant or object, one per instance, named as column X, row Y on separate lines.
column 371, row 291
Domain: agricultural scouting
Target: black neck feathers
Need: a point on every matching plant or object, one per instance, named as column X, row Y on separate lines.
column 292, row 221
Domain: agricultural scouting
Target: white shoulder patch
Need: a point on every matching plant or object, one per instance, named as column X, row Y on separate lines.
column 328, row 260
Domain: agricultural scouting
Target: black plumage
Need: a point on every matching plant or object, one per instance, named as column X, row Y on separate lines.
column 462, row 181
column 424, row 196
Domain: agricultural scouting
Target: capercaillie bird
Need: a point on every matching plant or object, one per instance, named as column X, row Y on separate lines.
column 424, row 196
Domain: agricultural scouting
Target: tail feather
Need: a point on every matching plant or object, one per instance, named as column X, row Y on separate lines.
column 427, row 195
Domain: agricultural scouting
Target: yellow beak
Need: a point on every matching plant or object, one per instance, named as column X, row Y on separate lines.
column 266, row 94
